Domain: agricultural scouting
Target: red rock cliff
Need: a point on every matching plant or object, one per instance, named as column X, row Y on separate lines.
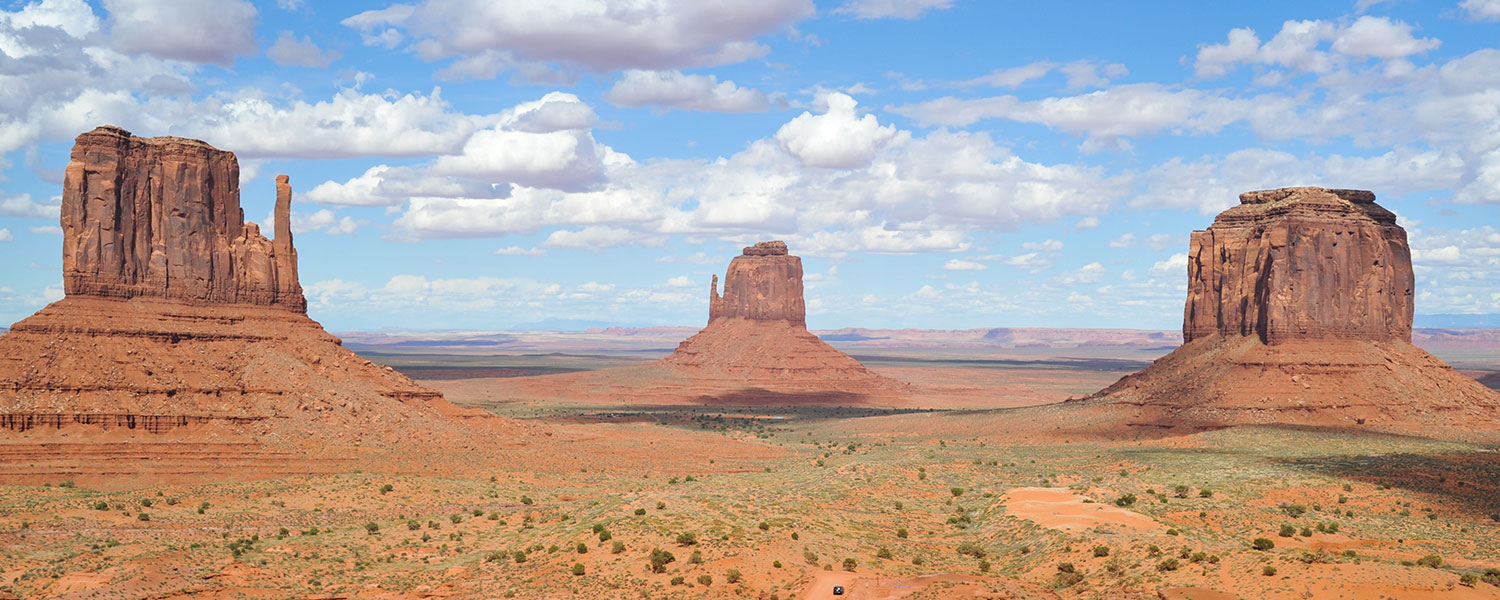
column 763, row 284
column 160, row 217
column 1301, row 263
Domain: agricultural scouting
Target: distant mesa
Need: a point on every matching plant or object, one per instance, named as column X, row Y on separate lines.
column 757, row 331
column 1299, row 311
column 182, row 347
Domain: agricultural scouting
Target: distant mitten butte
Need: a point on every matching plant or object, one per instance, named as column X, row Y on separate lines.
column 161, row 218
column 1301, row 263
column 764, row 283
column 757, row 332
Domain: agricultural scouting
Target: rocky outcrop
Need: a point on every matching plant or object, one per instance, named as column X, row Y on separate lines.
column 763, row 284
column 757, row 332
column 184, row 333
column 1301, row 263
column 1299, row 311
column 161, row 218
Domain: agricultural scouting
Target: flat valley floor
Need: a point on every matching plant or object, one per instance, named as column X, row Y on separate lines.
column 963, row 492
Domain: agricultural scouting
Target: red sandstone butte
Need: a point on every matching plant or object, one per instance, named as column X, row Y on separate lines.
column 161, row 218
column 182, row 348
column 762, row 284
column 757, row 331
column 1299, row 311
column 1301, row 263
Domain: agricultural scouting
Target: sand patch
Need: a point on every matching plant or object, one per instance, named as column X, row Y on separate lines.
column 1058, row 508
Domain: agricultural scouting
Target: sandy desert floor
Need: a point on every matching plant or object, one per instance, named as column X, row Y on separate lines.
column 965, row 491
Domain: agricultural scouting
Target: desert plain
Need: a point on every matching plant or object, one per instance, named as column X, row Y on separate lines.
column 965, row 487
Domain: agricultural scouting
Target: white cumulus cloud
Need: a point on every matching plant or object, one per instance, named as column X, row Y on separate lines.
column 290, row 51
column 202, row 31
column 839, row 138
column 674, row 90
column 963, row 265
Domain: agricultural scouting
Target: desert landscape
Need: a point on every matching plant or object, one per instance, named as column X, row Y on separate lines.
column 935, row 359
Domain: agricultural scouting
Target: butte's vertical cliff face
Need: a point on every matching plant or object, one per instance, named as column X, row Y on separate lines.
column 161, row 218
column 757, row 332
column 183, row 340
column 1299, row 310
column 763, row 284
column 1301, row 263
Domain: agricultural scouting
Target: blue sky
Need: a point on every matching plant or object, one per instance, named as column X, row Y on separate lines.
column 489, row 164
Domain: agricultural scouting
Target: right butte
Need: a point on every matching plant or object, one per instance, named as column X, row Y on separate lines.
column 1300, row 263
column 1299, row 311
column 757, row 333
column 182, row 349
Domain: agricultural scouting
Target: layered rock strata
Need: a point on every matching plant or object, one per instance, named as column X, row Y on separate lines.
column 757, row 330
column 762, row 284
column 1299, row 311
column 161, row 218
column 1301, row 263
column 183, row 335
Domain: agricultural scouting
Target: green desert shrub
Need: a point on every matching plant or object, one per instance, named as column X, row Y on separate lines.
column 970, row 549
column 659, row 560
